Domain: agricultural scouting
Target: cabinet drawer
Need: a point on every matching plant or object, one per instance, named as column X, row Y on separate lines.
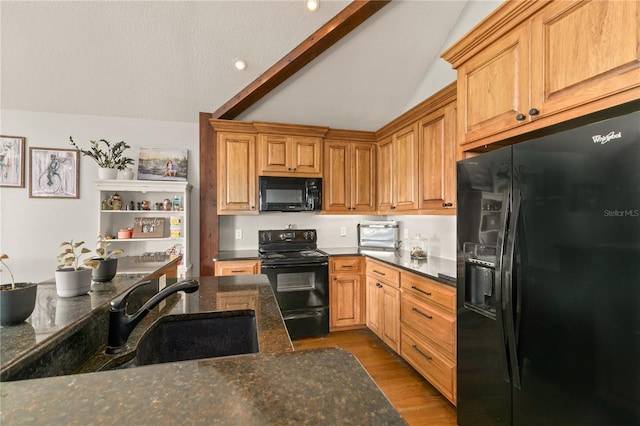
column 237, row 267
column 388, row 274
column 430, row 323
column 339, row 265
column 436, row 294
column 438, row 370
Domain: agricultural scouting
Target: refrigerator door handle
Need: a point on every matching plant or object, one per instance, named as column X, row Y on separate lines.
column 507, row 285
column 498, row 287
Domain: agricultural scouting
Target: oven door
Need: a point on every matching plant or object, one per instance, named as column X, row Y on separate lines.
column 299, row 286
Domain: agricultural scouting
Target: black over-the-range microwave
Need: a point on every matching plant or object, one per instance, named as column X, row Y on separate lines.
column 289, row 194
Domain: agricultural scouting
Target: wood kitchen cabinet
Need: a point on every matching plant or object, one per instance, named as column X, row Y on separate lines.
column 437, row 159
column 428, row 324
column 398, row 171
column 383, row 302
column 346, row 293
column 530, row 65
column 289, row 150
column 349, row 174
column 237, row 180
column 237, row 267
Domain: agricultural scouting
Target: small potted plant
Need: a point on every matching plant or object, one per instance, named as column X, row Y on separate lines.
column 17, row 300
column 73, row 276
column 110, row 159
column 108, row 263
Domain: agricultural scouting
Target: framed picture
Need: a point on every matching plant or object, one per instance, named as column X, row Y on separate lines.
column 54, row 173
column 162, row 164
column 148, row 227
column 12, row 161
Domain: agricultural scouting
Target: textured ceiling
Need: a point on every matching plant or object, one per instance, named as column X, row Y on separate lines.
column 170, row 60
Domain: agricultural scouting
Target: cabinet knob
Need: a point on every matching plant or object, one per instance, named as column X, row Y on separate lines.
column 533, row 111
column 520, row 117
column 447, row 204
column 393, row 207
column 252, row 207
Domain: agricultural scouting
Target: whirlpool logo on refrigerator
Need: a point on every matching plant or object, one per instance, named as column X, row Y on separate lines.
column 606, row 138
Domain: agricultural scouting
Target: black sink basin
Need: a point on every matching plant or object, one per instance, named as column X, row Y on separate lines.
column 195, row 336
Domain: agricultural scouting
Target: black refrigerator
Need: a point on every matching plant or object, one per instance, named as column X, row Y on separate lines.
column 548, row 288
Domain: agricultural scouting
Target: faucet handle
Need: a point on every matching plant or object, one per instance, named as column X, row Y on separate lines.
column 120, row 302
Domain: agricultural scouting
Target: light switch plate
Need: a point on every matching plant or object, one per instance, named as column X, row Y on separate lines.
column 343, row 231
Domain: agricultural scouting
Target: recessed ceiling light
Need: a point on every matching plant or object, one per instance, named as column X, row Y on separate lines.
column 240, row 64
column 312, row 5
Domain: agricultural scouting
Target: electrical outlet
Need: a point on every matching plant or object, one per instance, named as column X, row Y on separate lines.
column 343, row 231
column 238, row 234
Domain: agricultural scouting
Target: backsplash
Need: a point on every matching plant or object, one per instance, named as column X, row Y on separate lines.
column 440, row 231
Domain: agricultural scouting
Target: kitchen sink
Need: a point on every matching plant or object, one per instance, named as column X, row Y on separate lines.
column 184, row 337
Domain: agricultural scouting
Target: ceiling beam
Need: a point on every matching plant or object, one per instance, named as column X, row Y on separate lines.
column 339, row 26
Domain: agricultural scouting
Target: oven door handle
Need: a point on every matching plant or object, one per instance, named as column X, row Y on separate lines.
column 296, row 265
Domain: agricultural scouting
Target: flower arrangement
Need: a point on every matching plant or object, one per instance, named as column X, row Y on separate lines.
column 110, row 158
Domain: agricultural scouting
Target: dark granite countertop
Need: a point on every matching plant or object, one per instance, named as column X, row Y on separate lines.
column 311, row 387
column 435, row 268
column 236, row 255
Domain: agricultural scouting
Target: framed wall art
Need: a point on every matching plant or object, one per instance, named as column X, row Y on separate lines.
column 12, row 161
column 163, row 164
column 54, row 173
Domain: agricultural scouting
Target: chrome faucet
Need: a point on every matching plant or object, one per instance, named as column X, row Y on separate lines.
column 121, row 324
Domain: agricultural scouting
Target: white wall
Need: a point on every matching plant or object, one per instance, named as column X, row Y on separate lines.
column 440, row 73
column 31, row 229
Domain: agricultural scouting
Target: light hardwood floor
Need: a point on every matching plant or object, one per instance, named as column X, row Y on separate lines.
column 416, row 400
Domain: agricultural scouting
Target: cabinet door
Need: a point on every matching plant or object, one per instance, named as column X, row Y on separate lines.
column 405, row 176
column 390, row 316
column 306, row 156
column 237, row 183
column 493, row 87
column 583, row 51
column 274, row 155
column 437, row 160
column 337, row 176
column 374, row 315
column 345, row 295
column 386, row 169
column 363, row 177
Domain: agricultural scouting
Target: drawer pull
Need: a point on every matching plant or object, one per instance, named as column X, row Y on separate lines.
column 421, row 313
column 421, row 291
column 346, row 266
column 237, row 270
column 378, row 272
column 427, row 357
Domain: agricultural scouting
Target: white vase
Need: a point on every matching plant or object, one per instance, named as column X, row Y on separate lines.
column 106, row 173
column 126, row 174
column 71, row 282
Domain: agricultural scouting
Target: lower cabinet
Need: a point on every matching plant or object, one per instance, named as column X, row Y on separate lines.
column 346, row 293
column 237, row 267
column 383, row 304
column 416, row 317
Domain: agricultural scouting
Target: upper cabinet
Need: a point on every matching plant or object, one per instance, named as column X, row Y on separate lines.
column 349, row 172
column 437, row 157
column 398, row 171
column 289, row 150
column 534, row 64
column 236, row 162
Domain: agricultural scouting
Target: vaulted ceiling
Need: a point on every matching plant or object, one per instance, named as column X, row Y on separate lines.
column 171, row 60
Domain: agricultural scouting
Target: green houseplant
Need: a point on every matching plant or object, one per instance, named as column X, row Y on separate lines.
column 73, row 275
column 109, row 156
column 17, row 300
column 108, row 263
